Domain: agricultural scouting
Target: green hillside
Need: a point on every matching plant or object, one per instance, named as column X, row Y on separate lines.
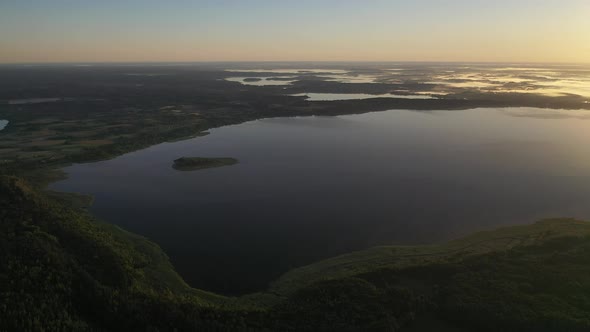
column 499, row 240
column 61, row 270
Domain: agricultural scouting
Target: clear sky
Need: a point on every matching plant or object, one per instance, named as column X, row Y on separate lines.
column 294, row 30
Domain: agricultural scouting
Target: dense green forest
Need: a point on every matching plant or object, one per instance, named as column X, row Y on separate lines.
column 61, row 270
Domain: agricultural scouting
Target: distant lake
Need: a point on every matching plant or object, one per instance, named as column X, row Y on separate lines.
column 262, row 81
column 308, row 188
column 3, row 124
column 353, row 96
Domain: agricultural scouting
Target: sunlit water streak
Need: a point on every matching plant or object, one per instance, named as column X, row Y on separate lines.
column 355, row 96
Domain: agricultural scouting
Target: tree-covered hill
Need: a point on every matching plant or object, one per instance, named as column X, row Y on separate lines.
column 61, row 270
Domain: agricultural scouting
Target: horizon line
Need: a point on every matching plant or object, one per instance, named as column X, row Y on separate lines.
column 289, row 61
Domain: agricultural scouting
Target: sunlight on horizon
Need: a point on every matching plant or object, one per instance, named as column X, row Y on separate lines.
column 326, row 30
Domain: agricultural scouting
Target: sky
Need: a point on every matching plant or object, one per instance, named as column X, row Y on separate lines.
column 294, row 30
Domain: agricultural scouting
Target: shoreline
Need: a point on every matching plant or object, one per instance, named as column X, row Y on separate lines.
column 398, row 110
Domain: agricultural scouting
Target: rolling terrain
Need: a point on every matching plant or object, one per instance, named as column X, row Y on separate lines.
column 62, row 270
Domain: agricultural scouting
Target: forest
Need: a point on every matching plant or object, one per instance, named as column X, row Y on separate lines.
column 63, row 271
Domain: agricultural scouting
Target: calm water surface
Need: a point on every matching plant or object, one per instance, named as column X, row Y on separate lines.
column 263, row 81
column 313, row 187
column 353, row 96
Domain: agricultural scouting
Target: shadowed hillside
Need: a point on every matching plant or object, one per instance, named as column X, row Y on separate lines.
column 61, row 270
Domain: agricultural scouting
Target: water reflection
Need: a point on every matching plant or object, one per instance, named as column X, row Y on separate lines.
column 314, row 187
column 354, row 96
column 553, row 81
column 262, row 81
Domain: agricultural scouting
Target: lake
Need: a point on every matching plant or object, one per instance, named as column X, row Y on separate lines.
column 356, row 96
column 262, row 81
column 308, row 188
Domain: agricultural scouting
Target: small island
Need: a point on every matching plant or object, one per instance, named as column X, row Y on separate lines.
column 196, row 163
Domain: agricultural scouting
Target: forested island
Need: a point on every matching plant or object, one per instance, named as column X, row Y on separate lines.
column 196, row 163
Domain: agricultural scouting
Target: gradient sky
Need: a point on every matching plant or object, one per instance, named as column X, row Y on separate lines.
column 297, row 30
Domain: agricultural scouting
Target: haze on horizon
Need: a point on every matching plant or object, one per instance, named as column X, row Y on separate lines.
column 307, row 30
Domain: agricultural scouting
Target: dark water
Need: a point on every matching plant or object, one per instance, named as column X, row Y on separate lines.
column 314, row 187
